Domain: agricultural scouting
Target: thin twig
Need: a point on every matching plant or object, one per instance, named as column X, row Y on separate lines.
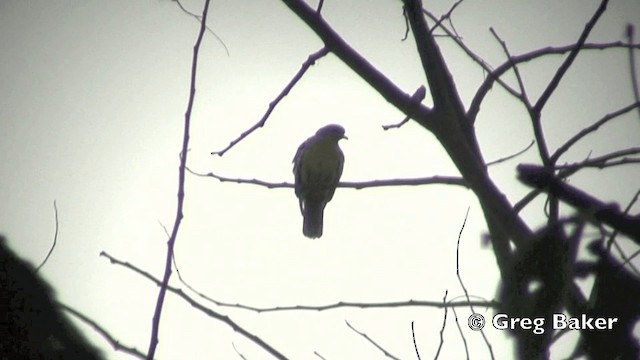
column 611, row 159
column 591, row 128
column 115, row 343
column 386, row 353
column 444, row 324
column 415, row 344
column 464, row 289
column 209, row 312
column 625, row 260
column 55, row 237
column 486, row 67
column 272, row 105
column 396, row 125
column 523, row 91
column 512, row 156
column 464, row 339
column 198, row 17
column 155, row 327
column 238, row 351
column 407, row 27
column 446, row 16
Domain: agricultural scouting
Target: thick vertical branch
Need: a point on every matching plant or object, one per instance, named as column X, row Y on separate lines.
column 153, row 342
column 443, row 90
column 456, row 133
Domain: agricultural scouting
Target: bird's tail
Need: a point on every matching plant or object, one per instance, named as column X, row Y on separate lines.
column 313, row 213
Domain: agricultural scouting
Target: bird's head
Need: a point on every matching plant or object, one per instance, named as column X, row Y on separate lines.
column 332, row 131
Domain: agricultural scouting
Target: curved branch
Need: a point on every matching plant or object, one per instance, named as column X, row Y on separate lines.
column 495, row 75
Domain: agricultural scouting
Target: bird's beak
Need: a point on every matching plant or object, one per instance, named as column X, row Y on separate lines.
column 344, row 137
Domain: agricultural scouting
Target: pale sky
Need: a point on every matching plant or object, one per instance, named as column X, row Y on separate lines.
column 92, row 102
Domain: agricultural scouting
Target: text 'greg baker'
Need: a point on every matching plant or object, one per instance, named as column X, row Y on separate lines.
column 559, row 322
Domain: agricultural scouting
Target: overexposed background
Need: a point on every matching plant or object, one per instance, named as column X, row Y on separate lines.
column 92, row 102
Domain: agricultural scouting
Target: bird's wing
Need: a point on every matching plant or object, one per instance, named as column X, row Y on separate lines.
column 337, row 174
column 297, row 159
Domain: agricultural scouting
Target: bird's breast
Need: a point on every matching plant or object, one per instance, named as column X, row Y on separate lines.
column 323, row 159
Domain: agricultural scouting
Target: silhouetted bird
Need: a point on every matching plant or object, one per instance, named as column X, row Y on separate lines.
column 317, row 167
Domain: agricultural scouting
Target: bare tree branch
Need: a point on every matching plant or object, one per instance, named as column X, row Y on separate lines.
column 522, row 96
column 464, row 339
column 238, row 351
column 611, row 240
column 512, row 156
column 415, row 344
column 360, row 65
column 464, row 289
column 155, row 327
column 348, row 304
column 555, row 81
column 198, row 18
column 442, row 180
column 417, row 96
column 610, row 214
column 386, row 353
column 115, row 343
column 473, row 56
column 272, row 105
column 211, row 313
column 444, row 324
column 445, row 16
column 441, row 85
column 591, row 128
column 615, row 158
column 495, row 75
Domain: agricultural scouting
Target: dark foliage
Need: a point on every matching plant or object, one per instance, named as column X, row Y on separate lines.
column 32, row 325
